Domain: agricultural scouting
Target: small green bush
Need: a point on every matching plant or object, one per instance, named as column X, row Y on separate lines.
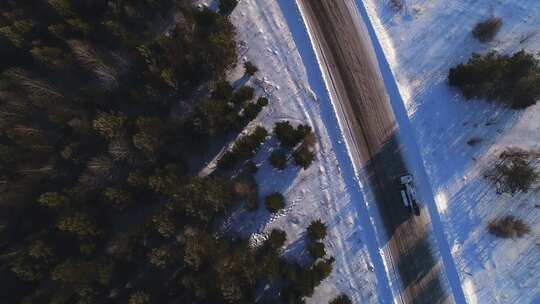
column 275, row 202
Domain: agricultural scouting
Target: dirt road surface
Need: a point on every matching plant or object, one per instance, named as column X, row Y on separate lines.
column 371, row 131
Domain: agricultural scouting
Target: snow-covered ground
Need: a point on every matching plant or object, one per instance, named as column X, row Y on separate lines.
column 271, row 34
column 421, row 43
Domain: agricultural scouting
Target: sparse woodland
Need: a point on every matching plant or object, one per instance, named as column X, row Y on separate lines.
column 513, row 80
column 100, row 112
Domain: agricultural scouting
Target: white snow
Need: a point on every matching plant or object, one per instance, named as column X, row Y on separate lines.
column 271, row 35
column 421, row 44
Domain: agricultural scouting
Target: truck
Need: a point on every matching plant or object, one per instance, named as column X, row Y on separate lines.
column 408, row 193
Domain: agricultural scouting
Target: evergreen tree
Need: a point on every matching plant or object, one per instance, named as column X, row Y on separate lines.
column 79, row 224
column 139, row 297
column 250, row 68
column 276, row 239
column 278, row 159
column 227, row 6
column 120, row 198
column 317, row 230
column 159, row 257
column 110, row 125
column 303, row 157
column 341, row 299
column 149, row 135
column 275, row 202
column 53, row 200
column 316, row 250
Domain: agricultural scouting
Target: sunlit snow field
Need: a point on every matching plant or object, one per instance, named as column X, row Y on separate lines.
column 421, row 43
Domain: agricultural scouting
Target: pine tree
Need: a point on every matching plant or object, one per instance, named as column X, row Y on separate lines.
column 341, row 299
column 275, row 202
column 110, row 125
column 139, row 297
column 53, row 200
column 317, row 230
column 79, row 224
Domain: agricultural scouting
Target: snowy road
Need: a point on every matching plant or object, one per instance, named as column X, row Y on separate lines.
column 372, row 134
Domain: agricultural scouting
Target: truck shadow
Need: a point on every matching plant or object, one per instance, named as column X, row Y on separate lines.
column 406, row 235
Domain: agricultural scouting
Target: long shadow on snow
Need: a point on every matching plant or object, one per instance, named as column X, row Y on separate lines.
column 358, row 206
column 382, row 173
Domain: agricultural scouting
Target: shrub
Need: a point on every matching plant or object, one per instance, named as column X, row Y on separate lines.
column 226, row 7
column 250, row 68
column 341, row 299
column 317, row 230
column 513, row 80
column 508, row 227
column 275, row 202
column 486, row 30
column 473, row 141
column 518, row 175
column 316, row 250
column 278, row 159
column 303, row 157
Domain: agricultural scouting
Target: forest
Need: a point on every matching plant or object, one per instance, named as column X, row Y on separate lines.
column 104, row 104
